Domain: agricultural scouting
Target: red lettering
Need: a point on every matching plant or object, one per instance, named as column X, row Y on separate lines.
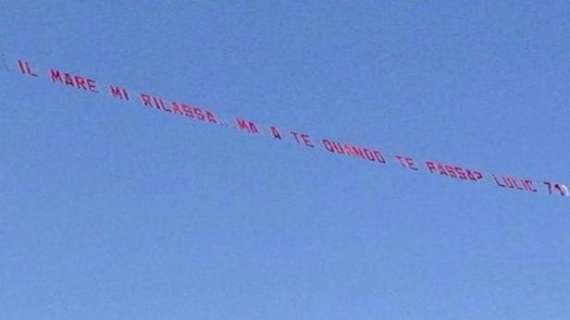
column 176, row 109
column 565, row 191
column 352, row 150
column 80, row 82
column 357, row 151
column 55, row 75
column 379, row 157
column 326, row 143
column 512, row 183
column 25, row 68
column 431, row 166
column 188, row 111
column 407, row 162
column 558, row 186
column 199, row 114
column 211, row 117
column 441, row 169
column 118, row 92
column 498, row 183
column 76, row 81
column 21, row 66
column 460, row 173
column 449, row 169
column 146, row 100
column 516, row 184
column 346, row 149
column 246, row 125
column 163, row 105
column 452, row 171
column 477, row 175
column 305, row 139
column 91, row 85
column 68, row 80
column 474, row 175
column 369, row 155
column 159, row 104
column 528, row 184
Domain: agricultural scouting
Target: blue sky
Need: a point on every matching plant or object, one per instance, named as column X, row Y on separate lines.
column 112, row 210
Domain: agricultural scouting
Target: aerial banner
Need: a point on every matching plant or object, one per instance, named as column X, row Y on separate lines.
column 375, row 155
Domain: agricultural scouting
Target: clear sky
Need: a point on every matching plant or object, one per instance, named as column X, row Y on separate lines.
column 113, row 210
